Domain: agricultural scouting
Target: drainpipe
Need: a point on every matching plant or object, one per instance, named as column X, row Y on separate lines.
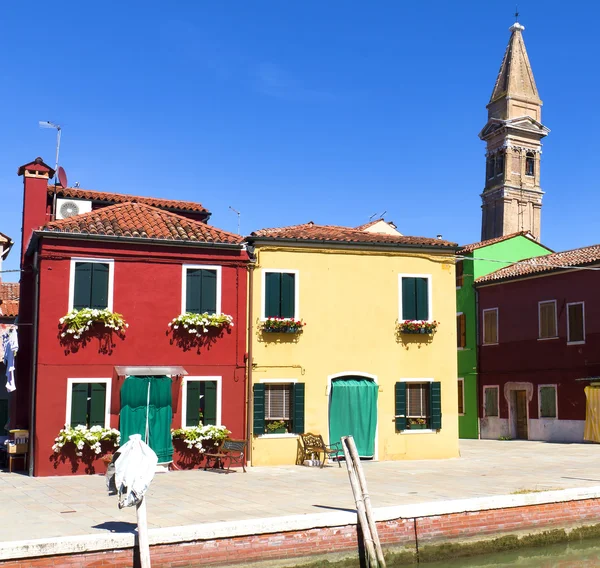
column 477, row 354
column 34, row 353
column 251, row 267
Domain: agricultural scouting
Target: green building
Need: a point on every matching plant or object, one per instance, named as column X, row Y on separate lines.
column 475, row 260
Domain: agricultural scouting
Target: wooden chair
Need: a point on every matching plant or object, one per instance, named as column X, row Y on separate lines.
column 315, row 445
column 232, row 450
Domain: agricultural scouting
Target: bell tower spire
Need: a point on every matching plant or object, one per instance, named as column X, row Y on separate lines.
column 512, row 196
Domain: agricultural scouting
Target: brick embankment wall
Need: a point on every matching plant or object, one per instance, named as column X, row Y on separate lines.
column 290, row 547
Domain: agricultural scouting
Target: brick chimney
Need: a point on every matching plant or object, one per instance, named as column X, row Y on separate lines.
column 36, row 210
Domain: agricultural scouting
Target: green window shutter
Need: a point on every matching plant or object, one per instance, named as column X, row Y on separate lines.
column 409, row 299
column 298, row 408
column 288, row 295
column 97, row 404
column 192, row 405
column 209, row 406
column 99, row 293
column 422, row 298
column 193, row 287
column 79, row 404
column 208, row 292
column 547, row 402
column 272, row 294
column 435, row 405
column 82, row 296
column 259, row 409
column 400, row 406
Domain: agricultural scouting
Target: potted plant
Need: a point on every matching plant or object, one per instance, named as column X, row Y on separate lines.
column 77, row 323
column 418, row 326
column 201, row 437
column 198, row 324
column 86, row 439
column 416, row 423
column 276, row 427
column 282, row 325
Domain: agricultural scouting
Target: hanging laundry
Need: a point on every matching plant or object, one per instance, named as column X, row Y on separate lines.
column 10, row 343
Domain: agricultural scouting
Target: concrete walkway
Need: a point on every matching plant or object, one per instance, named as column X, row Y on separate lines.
column 32, row 508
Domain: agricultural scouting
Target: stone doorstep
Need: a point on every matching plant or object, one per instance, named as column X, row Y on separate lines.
column 208, row 531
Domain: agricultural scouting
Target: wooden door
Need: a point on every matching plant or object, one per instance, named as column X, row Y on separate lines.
column 521, row 414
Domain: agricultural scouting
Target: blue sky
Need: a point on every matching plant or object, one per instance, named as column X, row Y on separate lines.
column 298, row 110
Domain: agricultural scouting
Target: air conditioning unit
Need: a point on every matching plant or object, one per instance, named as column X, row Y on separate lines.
column 66, row 208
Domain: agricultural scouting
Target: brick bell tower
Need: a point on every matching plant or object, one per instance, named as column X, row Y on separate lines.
column 512, row 196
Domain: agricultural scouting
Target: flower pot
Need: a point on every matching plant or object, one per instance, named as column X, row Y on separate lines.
column 281, row 430
column 417, row 426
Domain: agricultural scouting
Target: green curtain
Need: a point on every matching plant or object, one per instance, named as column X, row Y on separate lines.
column 134, row 399
column 353, row 412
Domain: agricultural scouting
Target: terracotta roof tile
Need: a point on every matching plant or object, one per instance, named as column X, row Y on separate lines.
column 136, row 220
column 9, row 299
column 110, row 198
column 312, row 232
column 544, row 264
column 481, row 244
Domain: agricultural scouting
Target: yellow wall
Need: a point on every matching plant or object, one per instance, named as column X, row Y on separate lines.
column 349, row 301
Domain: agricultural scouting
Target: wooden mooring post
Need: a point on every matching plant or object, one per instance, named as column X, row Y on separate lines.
column 358, row 482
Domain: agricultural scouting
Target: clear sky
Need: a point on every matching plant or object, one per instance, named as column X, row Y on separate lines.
column 297, row 110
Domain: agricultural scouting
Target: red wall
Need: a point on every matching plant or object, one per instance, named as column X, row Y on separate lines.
column 521, row 357
column 147, row 292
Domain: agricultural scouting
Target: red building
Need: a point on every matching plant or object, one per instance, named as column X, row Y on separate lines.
column 539, row 348
column 149, row 260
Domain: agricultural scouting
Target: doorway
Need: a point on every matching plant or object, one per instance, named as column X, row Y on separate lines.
column 519, row 414
column 353, row 412
column 146, row 410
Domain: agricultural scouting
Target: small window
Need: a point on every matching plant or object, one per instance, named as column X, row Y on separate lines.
column 461, row 397
column 459, row 273
column 91, row 285
column 530, row 164
column 576, row 323
column 547, row 320
column 490, row 326
column 490, row 401
column 418, row 405
column 201, row 403
column 548, row 401
column 201, row 290
column 88, row 404
column 280, row 295
column 461, row 331
column 499, row 169
column 415, row 298
column 278, row 408
column 489, row 167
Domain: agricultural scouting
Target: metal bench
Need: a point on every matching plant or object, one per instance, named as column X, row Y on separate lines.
column 234, row 451
column 315, row 445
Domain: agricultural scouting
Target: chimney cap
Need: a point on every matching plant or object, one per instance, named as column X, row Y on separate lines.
column 37, row 164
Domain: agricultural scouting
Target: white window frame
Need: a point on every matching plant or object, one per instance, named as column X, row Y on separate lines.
column 555, row 386
column 71, row 382
column 489, row 387
column 462, row 380
column 187, row 267
column 569, row 326
column 186, row 379
column 279, row 382
column 540, row 338
column 412, row 380
column 429, row 278
column 263, row 293
column 483, row 342
column 111, row 278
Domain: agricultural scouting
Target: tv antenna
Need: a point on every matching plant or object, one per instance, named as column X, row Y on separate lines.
column 48, row 124
column 238, row 216
column 378, row 215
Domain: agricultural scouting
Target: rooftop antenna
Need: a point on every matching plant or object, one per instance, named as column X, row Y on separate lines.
column 378, row 215
column 238, row 216
column 61, row 175
column 48, row 124
column 516, row 13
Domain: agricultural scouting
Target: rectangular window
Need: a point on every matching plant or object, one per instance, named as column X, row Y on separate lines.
column 278, row 408
column 490, row 326
column 547, row 319
column 418, row 405
column 576, row 322
column 280, row 289
column 461, row 331
column 460, row 268
column 202, row 287
column 87, row 403
column 202, row 402
column 91, row 284
column 461, row 397
column 547, row 396
column 415, row 297
column 490, row 401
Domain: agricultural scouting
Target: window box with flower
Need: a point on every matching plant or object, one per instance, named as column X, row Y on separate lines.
column 77, row 323
column 282, row 325
column 201, row 438
column 84, row 439
column 418, row 327
column 198, row 324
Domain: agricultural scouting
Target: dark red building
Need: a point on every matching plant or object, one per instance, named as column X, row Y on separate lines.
column 539, row 348
column 149, row 260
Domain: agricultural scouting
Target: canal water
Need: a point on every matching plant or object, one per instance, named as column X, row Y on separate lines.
column 584, row 554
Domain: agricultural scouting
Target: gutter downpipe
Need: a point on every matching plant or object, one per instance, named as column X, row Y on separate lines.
column 251, row 267
column 34, row 355
column 478, row 353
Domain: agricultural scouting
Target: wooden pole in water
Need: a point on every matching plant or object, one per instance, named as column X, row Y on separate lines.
column 360, row 505
column 368, row 509
column 143, row 542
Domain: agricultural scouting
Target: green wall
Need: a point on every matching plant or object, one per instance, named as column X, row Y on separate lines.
column 507, row 251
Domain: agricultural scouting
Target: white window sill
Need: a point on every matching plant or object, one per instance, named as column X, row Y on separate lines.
column 261, row 436
column 575, row 342
column 547, row 338
column 423, row 431
column 488, row 344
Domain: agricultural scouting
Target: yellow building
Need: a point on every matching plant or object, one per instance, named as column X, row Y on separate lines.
column 350, row 369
